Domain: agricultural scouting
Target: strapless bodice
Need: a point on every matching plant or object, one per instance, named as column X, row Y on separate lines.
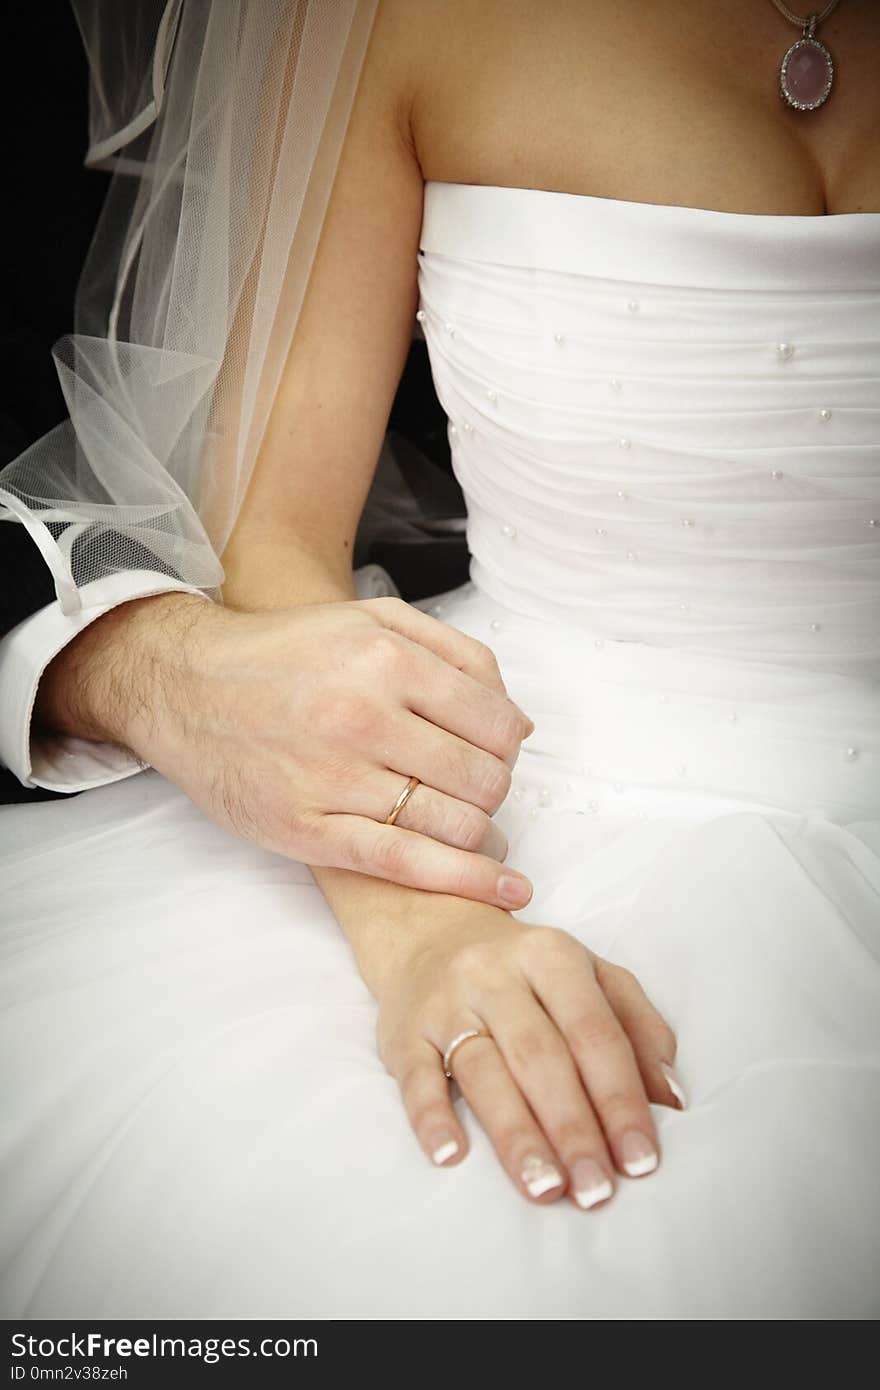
column 666, row 420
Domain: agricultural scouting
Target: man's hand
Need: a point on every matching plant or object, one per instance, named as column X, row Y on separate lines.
column 298, row 730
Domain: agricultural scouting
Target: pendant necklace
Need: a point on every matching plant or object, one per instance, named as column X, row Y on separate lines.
column 807, row 70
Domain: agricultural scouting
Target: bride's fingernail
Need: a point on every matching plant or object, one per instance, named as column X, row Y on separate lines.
column 674, row 1082
column 589, row 1183
column 514, row 891
column 637, row 1154
column 539, row 1176
column 444, row 1151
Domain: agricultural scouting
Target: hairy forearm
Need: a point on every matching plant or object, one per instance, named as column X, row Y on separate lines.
column 109, row 684
column 132, row 668
column 163, row 677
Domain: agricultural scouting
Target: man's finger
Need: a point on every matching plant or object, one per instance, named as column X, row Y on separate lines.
column 474, row 658
column 416, row 861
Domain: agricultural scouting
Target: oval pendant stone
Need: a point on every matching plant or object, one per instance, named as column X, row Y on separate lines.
column 806, row 74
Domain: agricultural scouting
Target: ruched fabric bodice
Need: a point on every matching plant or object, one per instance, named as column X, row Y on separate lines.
column 666, row 422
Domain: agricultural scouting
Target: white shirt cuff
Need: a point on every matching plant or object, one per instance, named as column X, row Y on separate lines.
column 59, row 763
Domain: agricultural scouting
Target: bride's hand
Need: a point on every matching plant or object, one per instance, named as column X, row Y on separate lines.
column 562, row 1086
column 299, row 728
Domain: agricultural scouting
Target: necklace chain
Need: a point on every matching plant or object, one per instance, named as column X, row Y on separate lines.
column 797, row 19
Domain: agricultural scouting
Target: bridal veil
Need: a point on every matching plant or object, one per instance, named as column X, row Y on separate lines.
column 222, row 124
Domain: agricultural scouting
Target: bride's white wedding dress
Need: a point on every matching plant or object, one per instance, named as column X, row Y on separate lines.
column 667, row 424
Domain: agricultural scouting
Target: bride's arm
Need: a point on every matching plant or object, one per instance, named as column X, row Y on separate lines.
column 294, row 536
column 567, row 1023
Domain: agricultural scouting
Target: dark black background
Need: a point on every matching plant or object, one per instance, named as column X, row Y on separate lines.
column 50, row 210
column 52, row 205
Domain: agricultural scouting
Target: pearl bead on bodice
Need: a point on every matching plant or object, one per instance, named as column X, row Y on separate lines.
column 666, row 420
column 666, row 423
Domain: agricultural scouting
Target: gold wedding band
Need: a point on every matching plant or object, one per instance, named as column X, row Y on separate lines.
column 402, row 800
column 457, row 1042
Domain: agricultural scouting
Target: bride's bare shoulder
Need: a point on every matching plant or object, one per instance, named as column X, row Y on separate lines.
column 434, row 53
column 417, row 36
column 428, row 33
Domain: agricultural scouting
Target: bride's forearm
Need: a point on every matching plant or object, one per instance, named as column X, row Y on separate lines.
column 387, row 923
column 274, row 568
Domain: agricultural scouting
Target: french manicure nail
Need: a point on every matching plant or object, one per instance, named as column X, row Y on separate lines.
column 444, row 1151
column 589, row 1183
column 637, row 1153
column 539, row 1176
column 514, row 892
column 674, row 1082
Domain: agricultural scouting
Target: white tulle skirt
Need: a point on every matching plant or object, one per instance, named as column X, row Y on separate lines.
column 195, row 1120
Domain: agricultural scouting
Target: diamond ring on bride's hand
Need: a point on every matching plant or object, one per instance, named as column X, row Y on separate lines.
column 573, row 1058
column 457, row 1042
